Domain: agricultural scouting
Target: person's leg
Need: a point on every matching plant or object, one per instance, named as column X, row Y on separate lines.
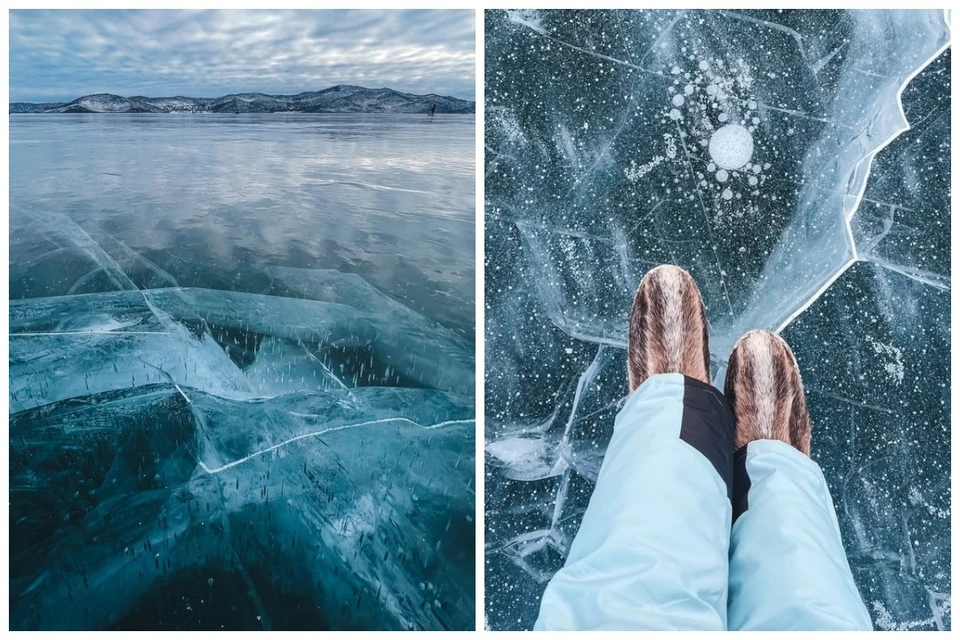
column 651, row 552
column 788, row 568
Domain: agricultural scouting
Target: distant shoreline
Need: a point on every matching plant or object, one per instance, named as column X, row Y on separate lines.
column 337, row 99
column 248, row 113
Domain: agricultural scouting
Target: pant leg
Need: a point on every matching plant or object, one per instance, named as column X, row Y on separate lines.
column 651, row 552
column 788, row 568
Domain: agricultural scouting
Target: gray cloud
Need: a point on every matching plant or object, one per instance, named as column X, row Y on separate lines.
column 63, row 54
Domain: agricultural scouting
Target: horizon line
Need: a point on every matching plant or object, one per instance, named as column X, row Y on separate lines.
column 233, row 93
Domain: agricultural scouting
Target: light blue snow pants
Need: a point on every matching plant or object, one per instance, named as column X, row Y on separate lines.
column 656, row 549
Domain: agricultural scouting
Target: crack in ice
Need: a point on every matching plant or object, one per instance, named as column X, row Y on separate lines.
column 312, row 434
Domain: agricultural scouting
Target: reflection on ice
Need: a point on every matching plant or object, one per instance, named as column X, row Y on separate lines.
column 773, row 156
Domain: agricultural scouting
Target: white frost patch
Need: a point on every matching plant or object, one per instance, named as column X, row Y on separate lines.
column 671, row 145
column 917, row 500
column 884, row 620
column 506, row 122
column 634, row 172
column 731, row 146
column 571, row 253
column 360, row 519
column 894, row 364
column 914, row 496
column 523, row 458
column 530, row 18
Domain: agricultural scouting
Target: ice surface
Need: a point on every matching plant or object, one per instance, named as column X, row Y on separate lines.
column 324, row 510
column 204, row 436
column 130, row 415
column 873, row 358
column 615, row 141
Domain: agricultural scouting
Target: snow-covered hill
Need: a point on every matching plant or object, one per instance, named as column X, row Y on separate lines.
column 338, row 99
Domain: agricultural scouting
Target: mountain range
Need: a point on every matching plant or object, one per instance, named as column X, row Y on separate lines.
column 338, row 99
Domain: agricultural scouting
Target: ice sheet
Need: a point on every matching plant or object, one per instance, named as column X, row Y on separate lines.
column 771, row 154
column 204, row 435
column 314, row 509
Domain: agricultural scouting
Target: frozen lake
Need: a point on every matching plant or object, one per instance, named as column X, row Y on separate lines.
column 213, row 199
column 242, row 371
column 773, row 156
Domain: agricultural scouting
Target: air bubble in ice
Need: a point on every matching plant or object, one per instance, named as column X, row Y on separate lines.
column 677, row 100
column 731, row 146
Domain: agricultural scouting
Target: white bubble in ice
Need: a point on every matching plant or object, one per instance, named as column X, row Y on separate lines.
column 727, row 194
column 753, row 181
column 677, row 100
column 674, row 114
column 723, row 117
column 711, row 167
column 712, row 89
column 688, row 89
column 675, row 70
column 722, row 175
column 704, row 65
column 731, row 146
column 752, row 104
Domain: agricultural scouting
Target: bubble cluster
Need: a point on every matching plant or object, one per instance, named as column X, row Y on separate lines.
column 712, row 105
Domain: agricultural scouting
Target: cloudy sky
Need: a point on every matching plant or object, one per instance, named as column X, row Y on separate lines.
column 62, row 55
